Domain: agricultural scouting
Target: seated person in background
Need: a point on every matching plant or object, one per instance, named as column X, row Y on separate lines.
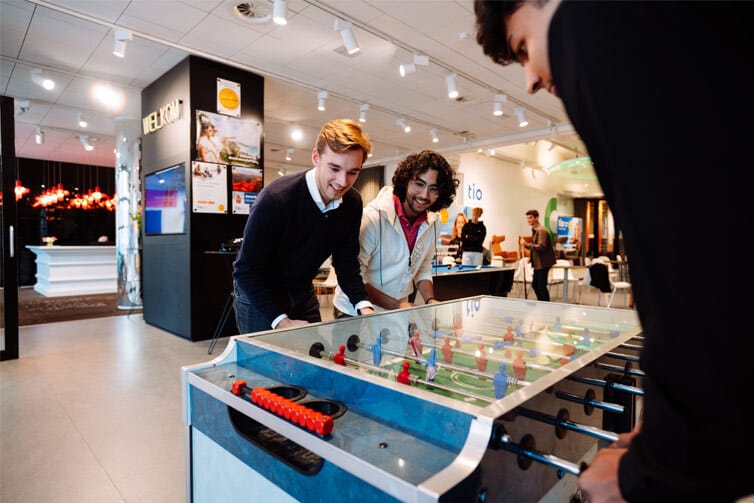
column 297, row 222
column 399, row 230
column 472, row 237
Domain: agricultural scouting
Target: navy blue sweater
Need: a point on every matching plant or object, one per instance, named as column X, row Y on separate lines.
column 286, row 240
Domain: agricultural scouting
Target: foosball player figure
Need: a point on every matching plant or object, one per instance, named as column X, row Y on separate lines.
column 431, row 365
column 508, row 336
column 447, row 351
column 340, row 357
column 416, row 343
column 481, row 359
column 458, row 329
column 519, row 366
column 500, row 382
column 404, row 377
column 586, row 339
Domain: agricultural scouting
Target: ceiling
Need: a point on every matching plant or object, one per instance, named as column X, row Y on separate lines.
column 72, row 42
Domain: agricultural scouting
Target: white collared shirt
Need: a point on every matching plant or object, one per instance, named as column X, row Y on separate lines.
column 311, row 183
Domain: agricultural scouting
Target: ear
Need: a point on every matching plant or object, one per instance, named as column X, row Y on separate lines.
column 315, row 156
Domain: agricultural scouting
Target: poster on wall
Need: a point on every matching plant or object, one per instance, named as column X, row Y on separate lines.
column 227, row 140
column 228, row 97
column 245, row 186
column 569, row 233
column 209, row 187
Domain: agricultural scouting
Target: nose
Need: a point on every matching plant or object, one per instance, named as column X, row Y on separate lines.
column 342, row 178
column 533, row 81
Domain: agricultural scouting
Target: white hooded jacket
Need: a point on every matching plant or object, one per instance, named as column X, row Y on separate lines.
column 384, row 256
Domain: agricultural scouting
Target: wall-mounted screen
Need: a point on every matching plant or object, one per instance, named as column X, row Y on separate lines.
column 165, row 202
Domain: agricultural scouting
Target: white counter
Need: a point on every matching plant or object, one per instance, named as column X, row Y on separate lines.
column 75, row 270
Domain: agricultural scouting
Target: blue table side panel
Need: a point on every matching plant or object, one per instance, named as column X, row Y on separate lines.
column 437, row 424
column 210, row 416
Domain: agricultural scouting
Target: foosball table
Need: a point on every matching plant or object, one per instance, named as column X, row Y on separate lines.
column 480, row 399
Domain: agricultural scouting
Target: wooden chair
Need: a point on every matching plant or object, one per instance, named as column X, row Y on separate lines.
column 497, row 250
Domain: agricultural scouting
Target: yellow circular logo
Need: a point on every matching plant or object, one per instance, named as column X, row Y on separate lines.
column 444, row 216
column 228, row 98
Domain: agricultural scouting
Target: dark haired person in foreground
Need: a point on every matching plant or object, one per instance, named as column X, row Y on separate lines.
column 399, row 230
column 297, row 222
column 661, row 95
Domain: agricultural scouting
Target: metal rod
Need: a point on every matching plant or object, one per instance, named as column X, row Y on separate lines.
column 612, row 407
column 618, row 368
column 635, row 347
column 622, row 356
column 580, row 428
column 604, row 384
column 546, row 459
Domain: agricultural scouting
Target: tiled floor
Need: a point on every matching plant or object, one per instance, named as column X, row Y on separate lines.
column 91, row 412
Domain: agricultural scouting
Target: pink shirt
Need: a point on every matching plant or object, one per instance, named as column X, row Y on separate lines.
column 411, row 230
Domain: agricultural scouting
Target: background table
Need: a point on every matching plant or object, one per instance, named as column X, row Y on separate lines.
column 465, row 281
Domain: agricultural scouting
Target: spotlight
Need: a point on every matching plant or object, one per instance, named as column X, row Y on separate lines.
column 280, row 12
column 121, row 38
column 402, row 124
column 82, row 120
column 433, row 132
column 450, row 82
column 522, row 122
column 321, row 97
column 39, row 78
column 498, row 108
column 363, row 112
column 297, row 134
column 346, row 33
column 281, row 172
column 23, row 107
column 85, row 142
column 39, row 137
column 419, row 59
column 288, row 154
column 406, row 69
column 553, row 129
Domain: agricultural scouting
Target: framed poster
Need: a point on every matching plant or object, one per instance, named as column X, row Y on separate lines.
column 209, row 187
column 245, row 186
column 227, row 140
column 228, row 97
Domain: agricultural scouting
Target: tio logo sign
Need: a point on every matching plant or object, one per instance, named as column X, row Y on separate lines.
column 473, row 193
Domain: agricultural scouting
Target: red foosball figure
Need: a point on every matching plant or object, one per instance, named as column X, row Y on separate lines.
column 519, row 366
column 508, row 336
column 340, row 357
column 481, row 360
column 416, row 343
column 447, row 351
column 404, row 377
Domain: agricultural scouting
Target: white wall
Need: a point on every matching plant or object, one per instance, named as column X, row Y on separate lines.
column 505, row 192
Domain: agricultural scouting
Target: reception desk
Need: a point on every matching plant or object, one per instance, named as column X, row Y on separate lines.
column 75, row 270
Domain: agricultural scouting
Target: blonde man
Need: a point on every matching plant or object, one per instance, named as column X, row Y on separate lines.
column 295, row 224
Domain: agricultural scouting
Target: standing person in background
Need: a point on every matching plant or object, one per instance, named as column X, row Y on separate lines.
column 297, row 222
column 472, row 237
column 542, row 254
column 399, row 230
column 606, row 60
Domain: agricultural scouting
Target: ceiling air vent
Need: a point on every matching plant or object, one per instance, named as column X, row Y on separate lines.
column 255, row 12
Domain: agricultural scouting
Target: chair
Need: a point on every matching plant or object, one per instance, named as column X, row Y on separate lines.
column 522, row 276
column 598, row 276
column 495, row 241
column 326, row 288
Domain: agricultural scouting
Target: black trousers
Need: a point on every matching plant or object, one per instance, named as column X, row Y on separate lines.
column 539, row 283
